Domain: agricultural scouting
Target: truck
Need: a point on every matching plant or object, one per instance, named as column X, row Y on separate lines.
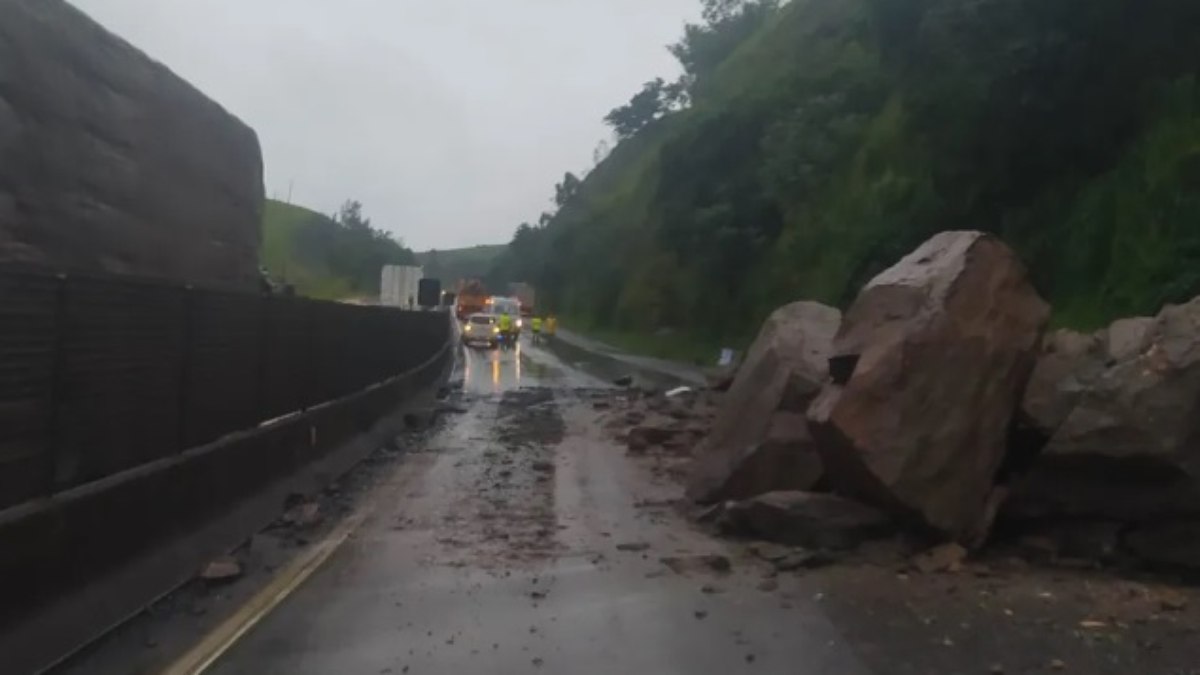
column 471, row 298
column 399, row 285
column 526, row 295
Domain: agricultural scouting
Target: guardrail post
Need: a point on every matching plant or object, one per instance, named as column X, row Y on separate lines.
column 266, row 315
column 306, row 367
column 54, row 435
column 187, row 301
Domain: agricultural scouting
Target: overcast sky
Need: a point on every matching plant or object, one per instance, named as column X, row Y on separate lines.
column 450, row 120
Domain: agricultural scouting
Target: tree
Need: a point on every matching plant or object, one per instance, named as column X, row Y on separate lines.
column 727, row 24
column 646, row 106
column 601, row 152
column 564, row 191
column 350, row 216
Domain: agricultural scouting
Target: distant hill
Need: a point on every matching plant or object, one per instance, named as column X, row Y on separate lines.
column 451, row 265
column 323, row 258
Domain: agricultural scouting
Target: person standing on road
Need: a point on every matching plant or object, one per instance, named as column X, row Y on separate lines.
column 535, row 325
column 505, row 323
column 551, row 325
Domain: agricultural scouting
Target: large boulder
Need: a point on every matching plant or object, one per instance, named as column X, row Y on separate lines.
column 759, row 441
column 1068, row 364
column 109, row 162
column 927, row 370
column 1123, row 441
column 811, row 519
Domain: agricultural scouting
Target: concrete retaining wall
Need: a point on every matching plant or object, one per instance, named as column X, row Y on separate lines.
column 110, row 162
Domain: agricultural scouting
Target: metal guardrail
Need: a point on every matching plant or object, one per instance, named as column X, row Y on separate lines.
column 146, row 427
column 102, row 374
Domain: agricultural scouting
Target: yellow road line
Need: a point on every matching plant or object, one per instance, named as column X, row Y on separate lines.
column 201, row 657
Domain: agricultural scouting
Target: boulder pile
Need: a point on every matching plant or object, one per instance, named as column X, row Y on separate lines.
column 940, row 404
column 760, row 440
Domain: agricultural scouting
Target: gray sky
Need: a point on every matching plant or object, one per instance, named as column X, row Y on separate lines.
column 450, row 120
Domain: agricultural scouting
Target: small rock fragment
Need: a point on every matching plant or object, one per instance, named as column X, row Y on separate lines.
column 944, row 558
column 771, row 552
column 1173, row 601
column 1057, row 664
column 306, row 514
column 700, row 614
column 698, row 563
column 224, row 568
column 633, row 547
column 801, row 558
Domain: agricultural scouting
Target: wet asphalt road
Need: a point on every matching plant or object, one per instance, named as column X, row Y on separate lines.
column 518, row 541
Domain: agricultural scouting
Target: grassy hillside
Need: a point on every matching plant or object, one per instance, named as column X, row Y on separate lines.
column 450, row 265
column 825, row 138
column 323, row 258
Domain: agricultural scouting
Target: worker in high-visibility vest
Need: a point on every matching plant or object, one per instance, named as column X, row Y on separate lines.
column 505, row 323
column 535, row 325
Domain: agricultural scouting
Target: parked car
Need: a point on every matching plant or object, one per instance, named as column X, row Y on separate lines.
column 481, row 330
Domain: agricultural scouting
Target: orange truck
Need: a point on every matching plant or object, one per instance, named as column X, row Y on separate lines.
column 472, row 298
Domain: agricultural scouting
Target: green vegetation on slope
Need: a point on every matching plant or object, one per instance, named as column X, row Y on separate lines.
column 327, row 258
column 815, row 143
column 450, row 265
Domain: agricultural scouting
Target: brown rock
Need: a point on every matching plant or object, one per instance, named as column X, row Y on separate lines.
column 721, row 378
column 112, row 163
column 1172, row 600
column 698, row 563
column 224, row 568
column 1069, row 362
column 641, row 438
column 803, row 559
column 771, row 552
column 768, row 585
column 808, row 519
column 1126, row 339
column 1125, row 449
column 927, row 370
column 944, row 558
column 759, row 442
column 786, row 458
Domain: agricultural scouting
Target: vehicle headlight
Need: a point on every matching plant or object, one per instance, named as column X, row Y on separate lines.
column 520, row 322
column 468, row 328
column 495, row 329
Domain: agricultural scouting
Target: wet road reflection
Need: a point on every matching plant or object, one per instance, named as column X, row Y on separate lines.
column 492, row 371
